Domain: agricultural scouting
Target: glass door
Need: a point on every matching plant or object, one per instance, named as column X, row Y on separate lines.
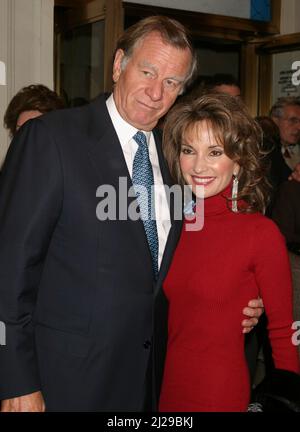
column 85, row 36
column 81, row 63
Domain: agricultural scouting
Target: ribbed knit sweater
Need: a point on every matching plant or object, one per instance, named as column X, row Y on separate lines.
column 214, row 273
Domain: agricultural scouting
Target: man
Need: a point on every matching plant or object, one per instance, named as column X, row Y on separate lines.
column 79, row 296
column 30, row 102
column 286, row 114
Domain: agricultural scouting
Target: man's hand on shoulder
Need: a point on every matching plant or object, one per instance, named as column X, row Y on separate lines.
column 33, row 402
column 296, row 173
column 254, row 310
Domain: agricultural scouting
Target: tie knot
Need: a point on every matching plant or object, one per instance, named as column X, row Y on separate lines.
column 140, row 138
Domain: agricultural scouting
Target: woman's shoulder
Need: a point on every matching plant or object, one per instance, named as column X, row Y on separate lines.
column 261, row 223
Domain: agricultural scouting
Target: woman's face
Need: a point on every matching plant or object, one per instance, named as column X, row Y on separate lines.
column 203, row 161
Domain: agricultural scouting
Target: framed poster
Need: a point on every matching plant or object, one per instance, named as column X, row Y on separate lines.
column 285, row 74
column 279, row 74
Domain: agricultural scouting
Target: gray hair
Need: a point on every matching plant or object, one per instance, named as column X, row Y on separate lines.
column 278, row 107
column 171, row 31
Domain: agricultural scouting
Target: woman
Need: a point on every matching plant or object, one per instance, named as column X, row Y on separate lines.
column 213, row 144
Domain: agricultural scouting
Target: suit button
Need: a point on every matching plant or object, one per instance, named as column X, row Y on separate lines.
column 147, row 344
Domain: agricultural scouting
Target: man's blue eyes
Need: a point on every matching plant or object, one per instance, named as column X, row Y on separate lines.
column 168, row 83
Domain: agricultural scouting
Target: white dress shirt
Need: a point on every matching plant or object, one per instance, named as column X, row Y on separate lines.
column 125, row 133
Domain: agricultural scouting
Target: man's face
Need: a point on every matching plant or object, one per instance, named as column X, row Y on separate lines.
column 289, row 125
column 149, row 84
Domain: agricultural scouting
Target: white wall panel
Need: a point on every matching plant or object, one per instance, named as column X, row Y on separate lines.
column 26, row 48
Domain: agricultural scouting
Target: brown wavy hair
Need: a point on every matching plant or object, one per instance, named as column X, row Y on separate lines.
column 235, row 129
column 35, row 97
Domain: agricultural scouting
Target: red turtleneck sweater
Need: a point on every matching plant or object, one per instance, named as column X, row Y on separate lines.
column 215, row 272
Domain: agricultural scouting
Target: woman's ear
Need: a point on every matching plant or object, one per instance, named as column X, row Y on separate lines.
column 236, row 169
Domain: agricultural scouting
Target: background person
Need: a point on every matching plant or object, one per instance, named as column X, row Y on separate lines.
column 286, row 114
column 30, row 102
column 219, row 83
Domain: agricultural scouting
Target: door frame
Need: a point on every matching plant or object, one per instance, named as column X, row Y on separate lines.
column 265, row 51
column 70, row 14
column 220, row 28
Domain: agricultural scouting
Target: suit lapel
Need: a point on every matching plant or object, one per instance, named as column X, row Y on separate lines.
column 109, row 163
column 173, row 238
column 104, row 147
column 176, row 225
column 167, row 180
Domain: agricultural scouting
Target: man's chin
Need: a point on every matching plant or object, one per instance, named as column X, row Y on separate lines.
column 146, row 125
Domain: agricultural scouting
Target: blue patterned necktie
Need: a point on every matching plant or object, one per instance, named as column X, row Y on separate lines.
column 143, row 182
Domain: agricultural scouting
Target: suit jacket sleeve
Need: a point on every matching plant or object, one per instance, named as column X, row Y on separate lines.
column 31, row 192
column 286, row 211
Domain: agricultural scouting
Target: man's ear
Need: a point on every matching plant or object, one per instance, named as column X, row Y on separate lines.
column 117, row 66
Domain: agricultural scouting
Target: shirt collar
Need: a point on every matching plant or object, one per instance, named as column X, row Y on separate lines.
column 124, row 130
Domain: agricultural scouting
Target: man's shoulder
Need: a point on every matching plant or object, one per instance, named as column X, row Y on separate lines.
column 257, row 223
column 75, row 116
